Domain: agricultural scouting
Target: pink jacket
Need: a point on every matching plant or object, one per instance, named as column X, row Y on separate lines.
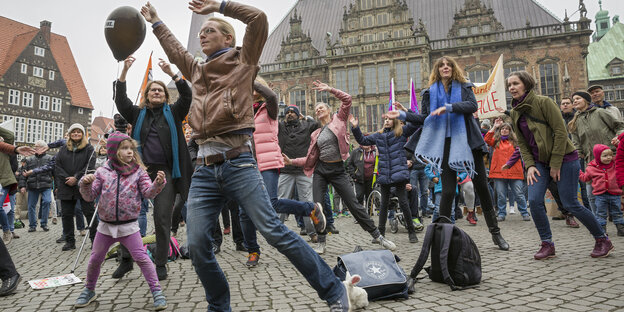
column 268, row 152
column 602, row 180
column 120, row 196
column 338, row 125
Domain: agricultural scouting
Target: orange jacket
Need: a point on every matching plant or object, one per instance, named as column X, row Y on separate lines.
column 501, row 154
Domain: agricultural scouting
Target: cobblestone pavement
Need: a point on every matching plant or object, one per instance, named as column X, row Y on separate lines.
column 512, row 280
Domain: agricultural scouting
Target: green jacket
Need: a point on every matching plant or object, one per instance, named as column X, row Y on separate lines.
column 595, row 126
column 7, row 176
column 545, row 122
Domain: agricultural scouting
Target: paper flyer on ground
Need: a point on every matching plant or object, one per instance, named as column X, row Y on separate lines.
column 62, row 280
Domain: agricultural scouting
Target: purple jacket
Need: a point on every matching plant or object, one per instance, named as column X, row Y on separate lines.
column 120, row 196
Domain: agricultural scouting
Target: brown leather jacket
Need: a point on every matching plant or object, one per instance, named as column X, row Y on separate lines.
column 222, row 87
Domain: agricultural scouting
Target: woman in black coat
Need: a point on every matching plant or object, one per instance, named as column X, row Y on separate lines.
column 157, row 127
column 73, row 160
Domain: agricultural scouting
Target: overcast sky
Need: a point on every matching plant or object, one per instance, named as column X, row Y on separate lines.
column 82, row 22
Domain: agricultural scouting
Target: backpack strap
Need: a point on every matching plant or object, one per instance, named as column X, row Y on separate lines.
column 447, row 233
column 424, row 252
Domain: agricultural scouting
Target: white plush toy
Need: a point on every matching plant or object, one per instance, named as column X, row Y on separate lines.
column 358, row 298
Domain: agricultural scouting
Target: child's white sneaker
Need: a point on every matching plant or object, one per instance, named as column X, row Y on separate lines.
column 160, row 302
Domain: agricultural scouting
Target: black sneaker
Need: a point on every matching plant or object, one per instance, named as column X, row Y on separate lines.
column 44, row 228
column 60, row 239
column 216, row 249
column 331, row 229
column 303, row 232
column 68, row 246
column 9, row 285
column 125, row 266
column 413, row 238
column 32, row 229
column 240, row 247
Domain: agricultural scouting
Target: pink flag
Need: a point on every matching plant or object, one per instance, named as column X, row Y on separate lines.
column 391, row 96
column 413, row 100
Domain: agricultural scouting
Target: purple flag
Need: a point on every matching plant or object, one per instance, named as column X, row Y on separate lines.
column 413, row 100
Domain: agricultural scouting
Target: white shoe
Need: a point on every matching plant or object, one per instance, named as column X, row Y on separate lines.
column 386, row 244
column 512, row 211
column 320, row 248
column 7, row 237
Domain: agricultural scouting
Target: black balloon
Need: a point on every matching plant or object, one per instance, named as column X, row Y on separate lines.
column 124, row 31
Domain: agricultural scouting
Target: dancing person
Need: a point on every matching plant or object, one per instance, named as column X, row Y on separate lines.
column 222, row 121
column 121, row 184
column 392, row 167
column 329, row 148
column 548, row 154
column 269, row 160
column 157, row 127
column 505, row 175
column 75, row 159
column 449, row 131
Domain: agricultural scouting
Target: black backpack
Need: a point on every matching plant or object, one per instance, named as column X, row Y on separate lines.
column 455, row 259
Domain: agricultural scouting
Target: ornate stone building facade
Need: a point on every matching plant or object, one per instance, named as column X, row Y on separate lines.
column 41, row 89
column 359, row 45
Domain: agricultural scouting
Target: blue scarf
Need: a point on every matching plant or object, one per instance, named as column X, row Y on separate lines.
column 136, row 134
column 431, row 144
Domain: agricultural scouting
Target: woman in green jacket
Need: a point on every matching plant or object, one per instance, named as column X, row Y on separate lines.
column 548, row 154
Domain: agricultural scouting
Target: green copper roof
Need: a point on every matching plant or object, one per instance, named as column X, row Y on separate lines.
column 604, row 51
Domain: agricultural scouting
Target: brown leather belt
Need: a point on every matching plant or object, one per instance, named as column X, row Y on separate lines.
column 216, row 159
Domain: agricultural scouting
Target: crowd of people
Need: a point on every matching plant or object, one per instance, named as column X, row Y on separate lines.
column 241, row 161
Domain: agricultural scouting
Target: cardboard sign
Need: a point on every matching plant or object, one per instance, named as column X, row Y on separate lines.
column 491, row 95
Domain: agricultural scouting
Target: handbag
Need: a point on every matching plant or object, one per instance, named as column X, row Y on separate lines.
column 382, row 277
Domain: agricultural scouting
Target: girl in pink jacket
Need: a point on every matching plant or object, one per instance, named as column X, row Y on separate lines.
column 121, row 183
column 601, row 173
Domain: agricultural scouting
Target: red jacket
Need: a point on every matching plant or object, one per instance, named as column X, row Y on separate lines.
column 602, row 181
column 500, row 156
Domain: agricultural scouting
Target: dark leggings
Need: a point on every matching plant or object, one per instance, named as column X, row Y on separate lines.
column 385, row 198
column 449, row 184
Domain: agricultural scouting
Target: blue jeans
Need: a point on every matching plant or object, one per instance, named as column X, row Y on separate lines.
column 4, row 219
column 239, row 179
column 501, row 186
column 436, row 210
column 611, row 204
column 287, row 206
column 33, row 197
column 142, row 219
column 420, row 183
column 567, row 192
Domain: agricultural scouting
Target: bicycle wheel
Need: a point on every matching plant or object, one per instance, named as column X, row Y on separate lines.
column 373, row 203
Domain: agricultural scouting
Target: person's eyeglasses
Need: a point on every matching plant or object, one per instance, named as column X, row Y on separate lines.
column 206, row 31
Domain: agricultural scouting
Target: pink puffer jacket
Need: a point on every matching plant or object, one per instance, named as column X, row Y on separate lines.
column 268, row 152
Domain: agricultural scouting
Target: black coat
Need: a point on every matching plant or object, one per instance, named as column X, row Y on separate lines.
column 179, row 109
column 42, row 180
column 72, row 163
column 294, row 140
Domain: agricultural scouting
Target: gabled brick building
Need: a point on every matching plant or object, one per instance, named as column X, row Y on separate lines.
column 359, row 45
column 40, row 85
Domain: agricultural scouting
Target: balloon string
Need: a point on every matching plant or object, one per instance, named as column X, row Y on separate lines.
column 115, row 90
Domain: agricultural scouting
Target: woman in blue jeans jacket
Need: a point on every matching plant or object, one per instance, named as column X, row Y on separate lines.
column 392, row 166
column 548, row 154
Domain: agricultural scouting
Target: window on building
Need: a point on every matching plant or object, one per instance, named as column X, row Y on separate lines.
column 48, row 130
column 355, row 111
column 549, row 81
column 382, row 36
column 368, row 38
column 58, row 130
column 340, row 79
column 297, row 56
column 14, row 96
column 367, row 21
column 44, row 102
column 371, row 118
column 322, row 96
column 20, row 129
column 399, row 33
column 28, row 99
column 614, row 92
column 474, row 30
column 353, row 78
column 39, row 51
column 51, row 75
column 56, row 104
column 38, row 72
column 304, row 54
column 370, row 79
column 24, row 69
column 479, row 76
column 288, row 57
column 401, row 82
column 30, row 131
column 298, row 98
column 366, row 4
column 382, row 3
column 382, row 19
column 383, row 78
column 80, row 110
column 463, row 31
column 486, row 28
column 415, row 73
